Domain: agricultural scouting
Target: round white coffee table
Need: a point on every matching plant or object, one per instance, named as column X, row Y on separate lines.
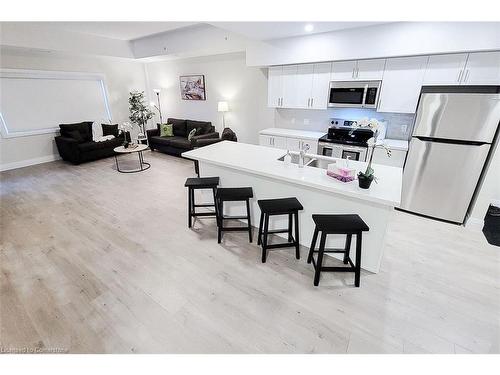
column 139, row 149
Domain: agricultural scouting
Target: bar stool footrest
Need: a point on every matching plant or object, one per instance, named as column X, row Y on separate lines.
column 203, row 214
column 336, row 251
column 280, row 245
column 277, row 231
column 235, row 229
column 330, row 269
column 234, row 217
column 338, row 269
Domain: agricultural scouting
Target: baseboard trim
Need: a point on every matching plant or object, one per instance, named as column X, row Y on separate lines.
column 28, row 162
column 495, row 202
column 475, row 224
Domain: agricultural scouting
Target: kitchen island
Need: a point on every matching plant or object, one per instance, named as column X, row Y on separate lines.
column 240, row 164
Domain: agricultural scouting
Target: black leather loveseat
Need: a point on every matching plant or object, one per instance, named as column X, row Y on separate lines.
column 179, row 143
column 75, row 143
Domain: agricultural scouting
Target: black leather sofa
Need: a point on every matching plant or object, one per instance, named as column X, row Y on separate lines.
column 179, row 143
column 83, row 149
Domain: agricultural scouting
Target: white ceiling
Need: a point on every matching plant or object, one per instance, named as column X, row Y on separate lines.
column 274, row 30
column 115, row 30
column 251, row 30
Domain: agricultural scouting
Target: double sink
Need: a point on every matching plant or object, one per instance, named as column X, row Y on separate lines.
column 310, row 161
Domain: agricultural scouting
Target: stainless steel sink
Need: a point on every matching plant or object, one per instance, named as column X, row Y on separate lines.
column 319, row 163
column 310, row 161
column 295, row 159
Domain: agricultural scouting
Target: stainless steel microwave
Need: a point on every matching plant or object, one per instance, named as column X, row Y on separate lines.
column 354, row 94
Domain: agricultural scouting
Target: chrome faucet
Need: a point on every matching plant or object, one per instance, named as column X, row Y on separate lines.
column 302, row 153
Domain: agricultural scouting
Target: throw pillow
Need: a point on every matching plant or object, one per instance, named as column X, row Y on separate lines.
column 96, row 130
column 191, row 134
column 75, row 134
column 110, row 129
column 166, row 130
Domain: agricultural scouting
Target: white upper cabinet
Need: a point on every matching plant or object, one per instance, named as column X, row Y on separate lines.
column 482, row 68
column 401, row 85
column 305, row 75
column 274, row 86
column 343, row 70
column 370, row 70
column 362, row 70
column 445, row 69
column 299, row 86
column 320, row 85
column 289, row 80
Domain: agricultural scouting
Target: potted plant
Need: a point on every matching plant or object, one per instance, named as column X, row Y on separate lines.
column 365, row 178
column 139, row 112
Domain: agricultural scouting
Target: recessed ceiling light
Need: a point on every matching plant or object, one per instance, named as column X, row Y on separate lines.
column 309, row 28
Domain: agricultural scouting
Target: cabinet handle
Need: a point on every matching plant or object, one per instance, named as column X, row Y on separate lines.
column 466, row 75
column 353, row 70
column 312, row 101
column 460, row 75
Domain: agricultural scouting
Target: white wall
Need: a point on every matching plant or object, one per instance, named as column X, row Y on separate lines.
column 226, row 78
column 388, row 40
column 399, row 125
column 121, row 76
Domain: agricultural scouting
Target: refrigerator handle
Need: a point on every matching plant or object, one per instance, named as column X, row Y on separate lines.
column 453, row 141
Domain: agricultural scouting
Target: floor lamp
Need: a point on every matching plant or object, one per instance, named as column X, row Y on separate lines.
column 157, row 92
column 223, row 107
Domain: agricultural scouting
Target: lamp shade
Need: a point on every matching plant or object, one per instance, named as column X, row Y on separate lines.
column 222, row 107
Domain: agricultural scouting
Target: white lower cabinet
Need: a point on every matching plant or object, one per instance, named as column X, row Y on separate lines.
column 272, row 141
column 293, row 144
column 288, row 143
column 279, row 142
column 397, row 158
column 265, row 140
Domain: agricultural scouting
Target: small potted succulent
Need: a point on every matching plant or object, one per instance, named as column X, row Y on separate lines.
column 365, row 178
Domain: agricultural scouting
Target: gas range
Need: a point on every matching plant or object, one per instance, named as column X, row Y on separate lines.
column 345, row 140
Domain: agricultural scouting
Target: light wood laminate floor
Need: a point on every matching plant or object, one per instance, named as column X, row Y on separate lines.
column 96, row 261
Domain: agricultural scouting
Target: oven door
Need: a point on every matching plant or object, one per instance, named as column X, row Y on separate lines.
column 354, row 153
column 329, row 149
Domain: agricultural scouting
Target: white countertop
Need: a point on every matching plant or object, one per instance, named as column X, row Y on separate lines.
column 293, row 133
column 260, row 160
column 395, row 144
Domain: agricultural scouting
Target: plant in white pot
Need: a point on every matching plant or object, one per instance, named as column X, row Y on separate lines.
column 139, row 112
column 365, row 178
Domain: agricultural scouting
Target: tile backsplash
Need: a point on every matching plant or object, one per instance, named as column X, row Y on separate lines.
column 399, row 125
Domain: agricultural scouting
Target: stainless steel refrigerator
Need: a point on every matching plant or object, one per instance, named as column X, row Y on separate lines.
column 453, row 133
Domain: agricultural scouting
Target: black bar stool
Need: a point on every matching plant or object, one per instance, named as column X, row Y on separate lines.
column 233, row 195
column 200, row 183
column 337, row 224
column 273, row 207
